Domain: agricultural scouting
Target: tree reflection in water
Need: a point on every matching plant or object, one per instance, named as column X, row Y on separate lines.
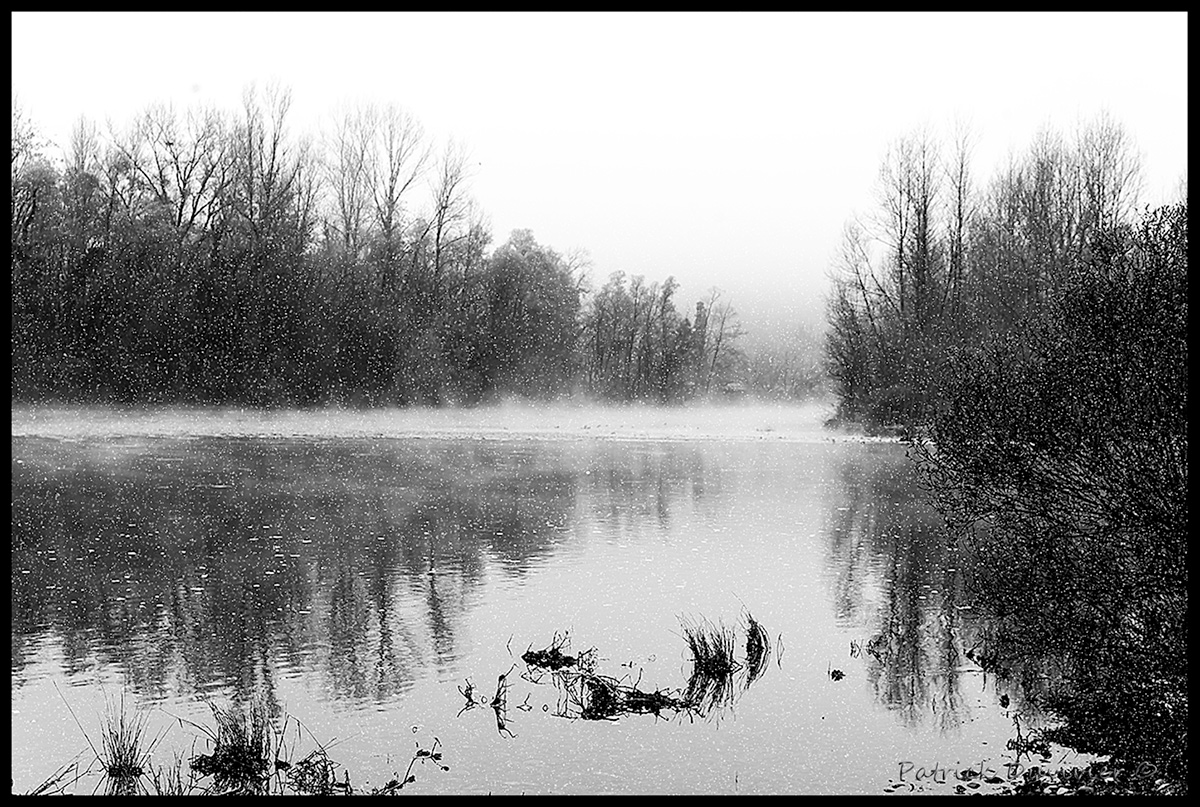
column 896, row 574
column 226, row 562
column 221, row 563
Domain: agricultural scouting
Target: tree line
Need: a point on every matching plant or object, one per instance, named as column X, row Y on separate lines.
column 1030, row 339
column 941, row 263
column 222, row 257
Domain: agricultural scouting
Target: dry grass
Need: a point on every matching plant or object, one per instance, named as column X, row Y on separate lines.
column 316, row 775
column 600, row 697
column 171, row 780
column 56, row 784
column 551, row 658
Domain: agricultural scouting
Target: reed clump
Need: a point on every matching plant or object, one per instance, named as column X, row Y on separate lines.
column 244, row 745
column 125, row 752
column 713, row 648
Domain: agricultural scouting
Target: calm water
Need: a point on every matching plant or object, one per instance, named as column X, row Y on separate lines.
column 358, row 577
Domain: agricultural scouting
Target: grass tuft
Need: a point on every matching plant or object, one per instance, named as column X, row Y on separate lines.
column 125, row 749
column 243, row 754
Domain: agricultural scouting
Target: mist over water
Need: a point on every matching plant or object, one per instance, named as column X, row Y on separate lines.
column 733, row 421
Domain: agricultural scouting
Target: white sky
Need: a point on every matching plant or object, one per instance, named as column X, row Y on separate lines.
column 726, row 149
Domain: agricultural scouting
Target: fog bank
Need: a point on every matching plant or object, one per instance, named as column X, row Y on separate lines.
column 734, row 421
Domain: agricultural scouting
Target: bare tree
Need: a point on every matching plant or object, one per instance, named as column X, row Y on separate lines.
column 307, row 190
column 894, row 217
column 83, row 147
column 1050, row 213
column 926, row 252
column 400, row 156
column 348, row 165
column 863, row 283
column 1112, row 172
column 579, row 264
column 450, row 203
column 26, row 143
column 961, row 211
column 27, row 176
column 181, row 165
column 266, row 163
column 472, row 255
column 721, row 329
column 909, row 194
column 82, row 195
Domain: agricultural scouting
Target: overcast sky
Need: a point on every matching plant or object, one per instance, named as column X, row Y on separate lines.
column 725, row 149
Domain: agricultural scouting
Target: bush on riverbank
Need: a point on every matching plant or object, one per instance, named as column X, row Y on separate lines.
column 1061, row 453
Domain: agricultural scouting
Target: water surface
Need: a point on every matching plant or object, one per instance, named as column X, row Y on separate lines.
column 358, row 570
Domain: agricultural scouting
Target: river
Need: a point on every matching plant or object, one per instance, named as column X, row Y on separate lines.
column 357, row 570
